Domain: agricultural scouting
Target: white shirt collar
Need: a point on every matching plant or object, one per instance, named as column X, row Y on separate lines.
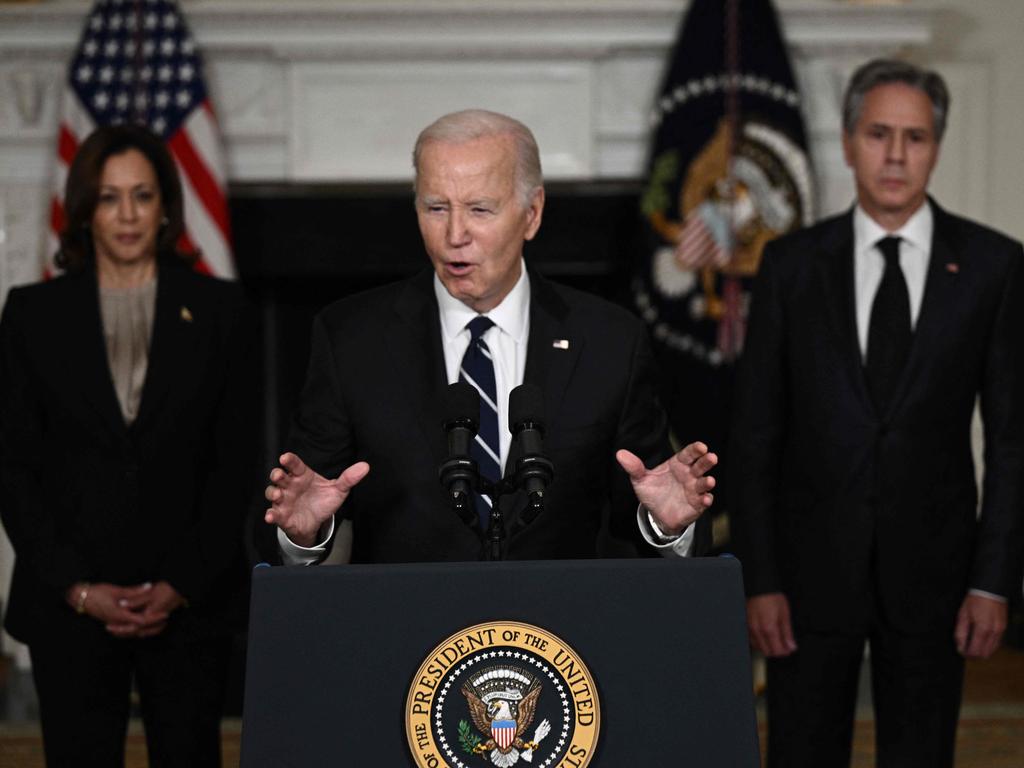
column 510, row 315
column 917, row 230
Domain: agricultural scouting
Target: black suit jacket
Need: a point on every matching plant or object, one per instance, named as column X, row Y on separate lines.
column 85, row 497
column 836, row 500
column 375, row 392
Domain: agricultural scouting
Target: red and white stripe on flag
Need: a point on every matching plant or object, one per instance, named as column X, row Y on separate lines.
column 137, row 62
column 698, row 242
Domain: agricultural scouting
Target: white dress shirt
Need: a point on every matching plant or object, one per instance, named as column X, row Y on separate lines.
column 506, row 340
column 869, row 264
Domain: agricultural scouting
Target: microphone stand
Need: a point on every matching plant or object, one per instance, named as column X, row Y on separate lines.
column 494, row 538
column 461, row 475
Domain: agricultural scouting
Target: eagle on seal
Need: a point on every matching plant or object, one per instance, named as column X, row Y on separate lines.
column 502, row 707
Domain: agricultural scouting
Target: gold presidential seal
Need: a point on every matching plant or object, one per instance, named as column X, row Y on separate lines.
column 500, row 692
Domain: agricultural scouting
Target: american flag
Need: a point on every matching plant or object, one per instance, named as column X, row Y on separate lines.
column 706, row 237
column 137, row 62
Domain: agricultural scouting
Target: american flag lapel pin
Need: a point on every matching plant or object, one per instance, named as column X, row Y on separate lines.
column 186, row 314
column 952, row 267
column 560, row 343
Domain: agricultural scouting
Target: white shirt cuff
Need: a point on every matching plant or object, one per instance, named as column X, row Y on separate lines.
column 989, row 595
column 293, row 554
column 680, row 545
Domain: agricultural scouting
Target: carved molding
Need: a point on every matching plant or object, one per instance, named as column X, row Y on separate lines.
column 370, row 30
column 302, row 87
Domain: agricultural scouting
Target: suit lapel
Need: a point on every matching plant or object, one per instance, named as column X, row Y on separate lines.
column 940, row 294
column 418, row 357
column 170, row 343
column 87, row 351
column 836, row 267
column 553, row 347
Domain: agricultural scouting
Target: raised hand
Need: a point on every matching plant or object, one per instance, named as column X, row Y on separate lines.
column 677, row 491
column 301, row 500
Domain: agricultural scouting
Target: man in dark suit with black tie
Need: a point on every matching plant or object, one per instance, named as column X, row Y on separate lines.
column 368, row 433
column 871, row 336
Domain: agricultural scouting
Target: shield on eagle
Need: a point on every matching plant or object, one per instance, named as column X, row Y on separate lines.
column 504, row 733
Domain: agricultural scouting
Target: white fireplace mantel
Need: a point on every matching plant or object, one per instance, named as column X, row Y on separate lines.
column 409, row 29
column 336, row 90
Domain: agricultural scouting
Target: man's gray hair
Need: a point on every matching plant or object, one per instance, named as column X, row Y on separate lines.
column 885, row 71
column 472, row 124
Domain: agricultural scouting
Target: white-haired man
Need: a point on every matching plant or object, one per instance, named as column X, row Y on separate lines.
column 367, row 438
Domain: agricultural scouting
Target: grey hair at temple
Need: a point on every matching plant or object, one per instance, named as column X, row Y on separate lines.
column 885, row 71
column 472, row 124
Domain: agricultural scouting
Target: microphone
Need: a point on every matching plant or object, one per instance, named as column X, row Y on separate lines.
column 459, row 474
column 534, row 471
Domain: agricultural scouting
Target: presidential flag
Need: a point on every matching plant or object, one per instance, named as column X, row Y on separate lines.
column 728, row 171
column 137, row 62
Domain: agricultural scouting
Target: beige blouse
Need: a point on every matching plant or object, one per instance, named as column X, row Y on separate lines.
column 127, row 327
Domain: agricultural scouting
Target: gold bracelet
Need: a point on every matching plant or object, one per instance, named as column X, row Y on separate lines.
column 80, row 608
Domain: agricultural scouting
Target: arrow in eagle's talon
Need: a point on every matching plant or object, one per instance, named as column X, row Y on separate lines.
column 538, row 736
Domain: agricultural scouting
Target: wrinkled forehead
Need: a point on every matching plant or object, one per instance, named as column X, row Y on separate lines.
column 486, row 162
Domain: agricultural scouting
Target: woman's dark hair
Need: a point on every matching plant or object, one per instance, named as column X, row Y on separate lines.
column 82, row 193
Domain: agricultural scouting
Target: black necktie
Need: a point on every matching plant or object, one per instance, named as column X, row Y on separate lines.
column 889, row 331
column 478, row 369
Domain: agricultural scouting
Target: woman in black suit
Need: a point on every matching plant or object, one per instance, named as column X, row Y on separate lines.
column 123, row 436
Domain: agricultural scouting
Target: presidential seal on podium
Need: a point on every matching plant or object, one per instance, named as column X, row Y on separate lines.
column 502, row 694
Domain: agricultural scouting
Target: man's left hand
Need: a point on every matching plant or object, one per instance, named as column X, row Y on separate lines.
column 677, row 491
column 979, row 626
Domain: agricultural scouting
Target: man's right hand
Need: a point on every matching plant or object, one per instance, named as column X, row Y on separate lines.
column 769, row 625
column 301, row 500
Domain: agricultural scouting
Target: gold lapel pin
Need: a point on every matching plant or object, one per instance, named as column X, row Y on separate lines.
column 186, row 314
column 952, row 267
column 560, row 343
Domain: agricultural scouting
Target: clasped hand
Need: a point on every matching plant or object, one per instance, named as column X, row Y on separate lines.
column 136, row 611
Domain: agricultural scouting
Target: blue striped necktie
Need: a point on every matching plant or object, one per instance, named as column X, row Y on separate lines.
column 478, row 370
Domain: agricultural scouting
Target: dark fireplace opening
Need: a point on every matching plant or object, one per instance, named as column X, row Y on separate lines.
column 301, row 246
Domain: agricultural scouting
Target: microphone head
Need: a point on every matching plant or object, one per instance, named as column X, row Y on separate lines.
column 525, row 404
column 461, row 403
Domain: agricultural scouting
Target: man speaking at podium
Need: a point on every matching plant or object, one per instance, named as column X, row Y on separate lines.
column 368, row 438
